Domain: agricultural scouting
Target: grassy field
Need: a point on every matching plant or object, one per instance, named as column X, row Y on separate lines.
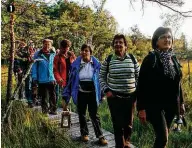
column 25, row 127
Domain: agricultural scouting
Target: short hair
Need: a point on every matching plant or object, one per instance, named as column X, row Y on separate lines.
column 158, row 32
column 65, row 43
column 47, row 40
column 87, row 46
column 119, row 36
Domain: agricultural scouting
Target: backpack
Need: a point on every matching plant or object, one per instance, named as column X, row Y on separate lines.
column 110, row 56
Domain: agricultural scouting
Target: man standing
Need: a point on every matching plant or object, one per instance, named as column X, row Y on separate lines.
column 42, row 73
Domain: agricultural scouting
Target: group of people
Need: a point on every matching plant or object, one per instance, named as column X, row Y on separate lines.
column 154, row 88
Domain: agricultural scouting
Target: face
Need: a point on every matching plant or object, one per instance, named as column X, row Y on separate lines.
column 164, row 41
column 47, row 45
column 65, row 50
column 86, row 54
column 119, row 46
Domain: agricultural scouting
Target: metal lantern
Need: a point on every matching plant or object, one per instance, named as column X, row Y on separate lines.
column 66, row 119
column 177, row 124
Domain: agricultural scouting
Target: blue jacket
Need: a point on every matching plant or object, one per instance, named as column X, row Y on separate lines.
column 42, row 70
column 72, row 87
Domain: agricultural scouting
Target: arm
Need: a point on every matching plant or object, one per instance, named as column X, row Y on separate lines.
column 56, row 70
column 142, row 82
column 137, row 69
column 103, row 77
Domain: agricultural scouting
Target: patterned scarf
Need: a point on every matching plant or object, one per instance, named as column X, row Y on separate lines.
column 165, row 58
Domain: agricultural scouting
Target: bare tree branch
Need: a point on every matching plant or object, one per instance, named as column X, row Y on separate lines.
column 179, row 3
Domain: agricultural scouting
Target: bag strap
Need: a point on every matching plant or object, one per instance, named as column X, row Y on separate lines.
column 133, row 58
column 108, row 61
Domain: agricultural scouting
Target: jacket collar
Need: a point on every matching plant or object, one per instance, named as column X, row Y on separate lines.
column 77, row 62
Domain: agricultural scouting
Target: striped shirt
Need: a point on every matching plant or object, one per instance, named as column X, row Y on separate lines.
column 122, row 75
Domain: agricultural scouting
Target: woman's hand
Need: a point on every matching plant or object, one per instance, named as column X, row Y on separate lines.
column 142, row 116
column 109, row 94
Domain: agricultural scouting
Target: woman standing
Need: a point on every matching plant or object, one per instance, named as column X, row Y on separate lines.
column 159, row 93
column 118, row 78
column 83, row 86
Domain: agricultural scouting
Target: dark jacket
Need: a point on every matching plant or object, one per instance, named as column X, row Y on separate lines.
column 154, row 88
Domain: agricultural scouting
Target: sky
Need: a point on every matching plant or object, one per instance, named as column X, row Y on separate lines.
column 147, row 21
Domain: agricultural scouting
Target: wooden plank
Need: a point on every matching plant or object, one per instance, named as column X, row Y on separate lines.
column 74, row 131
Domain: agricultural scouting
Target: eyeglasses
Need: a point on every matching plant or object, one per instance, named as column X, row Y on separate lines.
column 163, row 37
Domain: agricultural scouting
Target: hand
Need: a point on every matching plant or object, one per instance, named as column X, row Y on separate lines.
column 182, row 109
column 142, row 116
column 109, row 94
column 61, row 82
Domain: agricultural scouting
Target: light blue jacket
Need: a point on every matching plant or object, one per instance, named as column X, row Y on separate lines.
column 72, row 87
column 42, row 70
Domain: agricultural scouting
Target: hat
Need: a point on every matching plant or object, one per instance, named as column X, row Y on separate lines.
column 158, row 32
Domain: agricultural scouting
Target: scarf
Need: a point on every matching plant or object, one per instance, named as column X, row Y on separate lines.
column 165, row 58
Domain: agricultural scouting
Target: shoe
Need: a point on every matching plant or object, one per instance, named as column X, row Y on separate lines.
column 85, row 138
column 103, row 141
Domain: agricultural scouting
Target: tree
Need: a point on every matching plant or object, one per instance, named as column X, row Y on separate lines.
column 174, row 21
column 170, row 4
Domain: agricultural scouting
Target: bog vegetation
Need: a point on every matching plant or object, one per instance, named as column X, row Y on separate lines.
column 35, row 20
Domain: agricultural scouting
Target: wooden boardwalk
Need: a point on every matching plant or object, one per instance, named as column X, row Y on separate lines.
column 74, row 131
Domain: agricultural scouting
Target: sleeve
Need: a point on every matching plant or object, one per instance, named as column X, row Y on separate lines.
column 181, row 94
column 56, row 69
column 34, row 69
column 103, row 77
column 142, row 83
column 137, row 69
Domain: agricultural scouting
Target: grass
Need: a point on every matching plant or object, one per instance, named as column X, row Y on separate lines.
column 25, row 128
column 30, row 129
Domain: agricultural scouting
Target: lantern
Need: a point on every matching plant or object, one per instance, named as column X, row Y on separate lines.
column 177, row 124
column 66, row 119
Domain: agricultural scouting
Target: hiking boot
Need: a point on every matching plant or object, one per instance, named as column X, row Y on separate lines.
column 85, row 138
column 103, row 141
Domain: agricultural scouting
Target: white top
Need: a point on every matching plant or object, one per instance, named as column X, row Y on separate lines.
column 86, row 71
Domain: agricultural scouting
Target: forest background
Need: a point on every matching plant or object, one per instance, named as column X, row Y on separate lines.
column 36, row 20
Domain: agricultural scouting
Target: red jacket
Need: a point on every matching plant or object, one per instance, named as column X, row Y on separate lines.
column 61, row 68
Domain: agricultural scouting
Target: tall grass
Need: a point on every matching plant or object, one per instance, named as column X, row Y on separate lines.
column 25, row 128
